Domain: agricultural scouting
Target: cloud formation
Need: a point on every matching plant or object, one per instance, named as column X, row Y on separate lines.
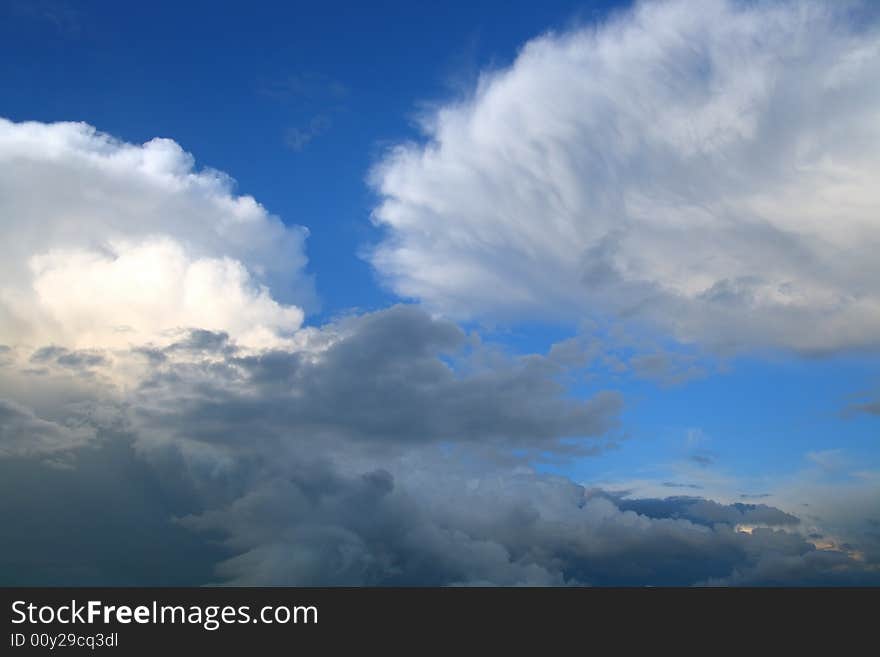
column 130, row 244
column 296, row 139
column 381, row 381
column 22, row 433
column 709, row 172
column 387, row 449
column 156, row 378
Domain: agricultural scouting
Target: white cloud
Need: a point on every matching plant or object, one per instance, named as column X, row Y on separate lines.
column 108, row 244
column 713, row 172
column 138, row 292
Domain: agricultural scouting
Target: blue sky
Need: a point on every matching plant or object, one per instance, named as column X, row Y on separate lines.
column 167, row 69
column 304, row 104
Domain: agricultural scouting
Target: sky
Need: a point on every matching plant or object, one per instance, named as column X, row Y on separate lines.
column 566, row 293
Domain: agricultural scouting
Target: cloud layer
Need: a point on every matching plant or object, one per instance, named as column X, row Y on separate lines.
column 129, row 243
column 386, row 449
column 710, row 172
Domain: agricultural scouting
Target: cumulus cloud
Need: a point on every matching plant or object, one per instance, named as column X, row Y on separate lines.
column 709, row 172
column 392, row 378
column 382, row 451
column 129, row 243
column 510, row 528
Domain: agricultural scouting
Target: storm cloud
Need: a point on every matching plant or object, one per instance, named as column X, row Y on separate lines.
column 384, row 451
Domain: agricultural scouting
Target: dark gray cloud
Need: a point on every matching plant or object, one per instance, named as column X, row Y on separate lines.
column 22, row 433
column 774, row 567
column 505, row 528
column 385, row 379
column 105, row 518
column 673, row 484
column 308, row 523
column 871, row 408
column 706, row 512
column 202, row 340
column 76, row 359
column 702, row 458
column 391, row 449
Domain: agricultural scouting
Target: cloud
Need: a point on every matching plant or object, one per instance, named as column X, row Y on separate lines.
column 673, row 484
column 667, row 368
column 297, row 139
column 107, row 517
column 66, row 20
column 702, row 458
column 376, row 380
column 314, row 99
column 707, row 512
column 22, row 433
column 129, row 243
column 138, row 292
column 73, row 359
column 869, row 408
column 709, row 173
column 829, row 460
column 387, row 449
column 304, row 87
column 417, row 526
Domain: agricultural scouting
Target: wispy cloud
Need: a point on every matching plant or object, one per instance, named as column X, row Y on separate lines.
column 710, row 174
column 869, row 408
column 65, row 18
column 313, row 97
column 306, row 86
column 297, row 139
